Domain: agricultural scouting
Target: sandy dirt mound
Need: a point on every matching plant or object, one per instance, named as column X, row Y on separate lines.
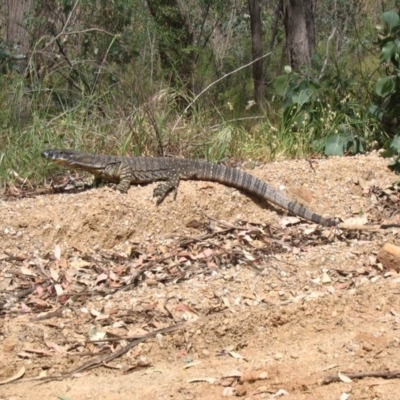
column 84, row 274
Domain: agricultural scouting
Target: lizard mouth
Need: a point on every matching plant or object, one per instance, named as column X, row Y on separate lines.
column 57, row 156
column 45, row 154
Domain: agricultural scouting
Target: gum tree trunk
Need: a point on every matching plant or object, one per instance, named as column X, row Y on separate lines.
column 17, row 35
column 300, row 31
column 257, row 48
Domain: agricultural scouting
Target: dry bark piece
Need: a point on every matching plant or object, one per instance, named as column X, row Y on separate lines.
column 18, row 375
column 300, row 194
column 253, row 376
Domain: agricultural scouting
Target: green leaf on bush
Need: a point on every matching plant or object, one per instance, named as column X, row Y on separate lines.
column 335, row 146
column 385, row 86
column 391, row 19
column 376, row 111
column 396, row 143
column 281, row 85
column 394, row 148
column 338, row 145
column 319, row 145
column 395, row 30
column 303, row 97
column 387, row 51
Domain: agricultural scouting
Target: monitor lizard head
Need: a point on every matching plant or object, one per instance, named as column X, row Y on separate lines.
column 59, row 156
column 70, row 158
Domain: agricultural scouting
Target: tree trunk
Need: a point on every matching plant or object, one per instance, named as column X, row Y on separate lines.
column 300, row 31
column 17, row 35
column 256, row 42
column 174, row 38
column 17, row 38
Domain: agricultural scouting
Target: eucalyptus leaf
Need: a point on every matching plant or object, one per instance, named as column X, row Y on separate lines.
column 385, row 86
column 387, row 51
column 305, row 96
column 339, row 145
column 376, row 111
column 391, row 19
column 395, row 165
column 281, row 85
column 395, row 143
column 335, row 146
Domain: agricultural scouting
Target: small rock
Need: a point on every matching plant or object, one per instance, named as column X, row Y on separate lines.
column 326, row 278
column 274, row 285
column 9, row 345
column 389, row 256
column 367, row 346
column 278, row 356
column 227, row 382
column 227, row 392
column 240, row 390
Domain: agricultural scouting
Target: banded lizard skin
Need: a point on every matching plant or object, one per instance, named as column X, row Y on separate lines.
column 125, row 171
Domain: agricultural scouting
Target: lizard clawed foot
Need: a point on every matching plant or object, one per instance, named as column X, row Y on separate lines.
column 162, row 190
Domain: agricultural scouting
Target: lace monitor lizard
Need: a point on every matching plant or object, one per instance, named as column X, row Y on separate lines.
column 125, row 171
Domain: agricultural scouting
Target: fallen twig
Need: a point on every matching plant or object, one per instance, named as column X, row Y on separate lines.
column 358, row 375
column 105, row 358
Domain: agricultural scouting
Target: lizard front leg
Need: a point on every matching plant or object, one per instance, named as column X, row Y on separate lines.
column 121, row 173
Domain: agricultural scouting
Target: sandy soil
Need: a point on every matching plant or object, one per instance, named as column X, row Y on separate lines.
column 288, row 305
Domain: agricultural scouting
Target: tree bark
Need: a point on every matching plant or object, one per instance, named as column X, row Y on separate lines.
column 174, row 38
column 300, row 31
column 256, row 42
column 17, row 35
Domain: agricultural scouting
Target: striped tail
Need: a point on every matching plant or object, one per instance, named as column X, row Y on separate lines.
column 244, row 181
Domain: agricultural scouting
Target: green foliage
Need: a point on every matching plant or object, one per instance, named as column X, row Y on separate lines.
column 81, row 48
column 393, row 151
column 329, row 115
column 339, row 145
column 114, row 17
column 387, row 102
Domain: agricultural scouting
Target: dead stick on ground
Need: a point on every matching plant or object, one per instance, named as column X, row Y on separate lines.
column 185, row 241
column 107, row 357
column 357, row 375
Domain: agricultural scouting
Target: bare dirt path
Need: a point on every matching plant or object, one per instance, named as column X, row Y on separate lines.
column 285, row 303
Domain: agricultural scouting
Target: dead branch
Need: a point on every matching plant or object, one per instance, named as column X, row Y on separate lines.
column 359, row 375
column 105, row 358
